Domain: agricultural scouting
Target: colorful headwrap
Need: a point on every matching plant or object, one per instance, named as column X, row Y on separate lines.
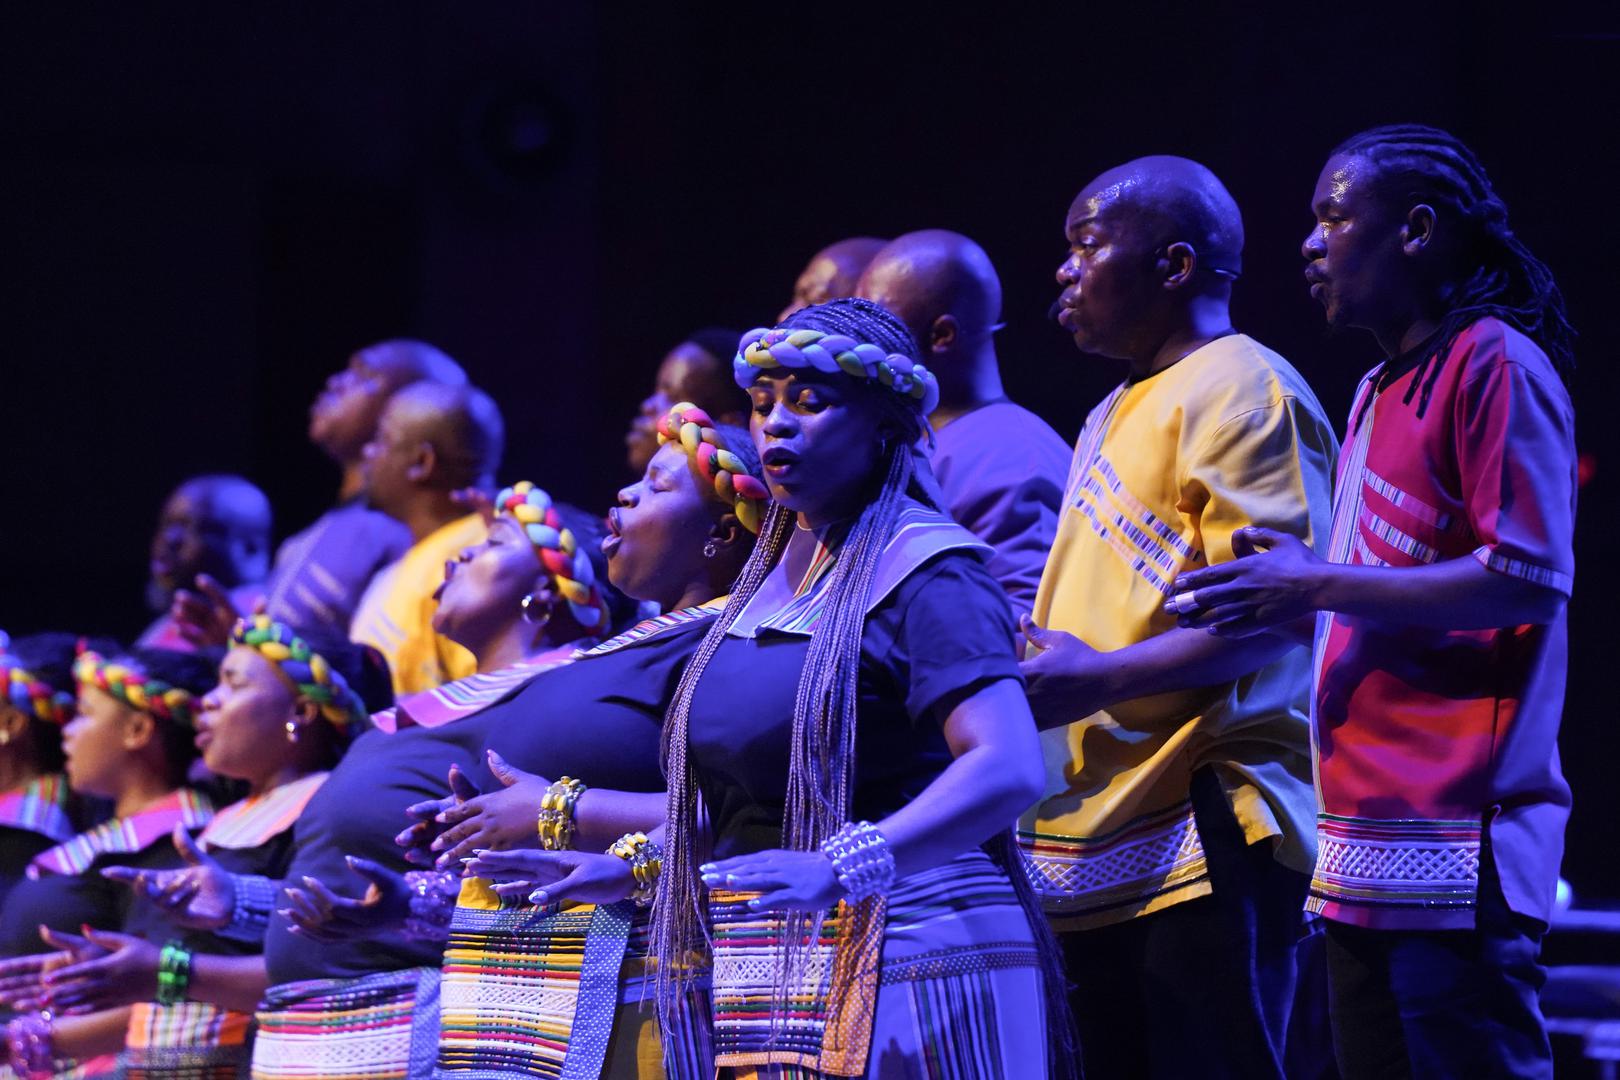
column 315, row 679
column 690, row 426
column 28, row 693
column 817, row 349
column 569, row 567
column 135, row 688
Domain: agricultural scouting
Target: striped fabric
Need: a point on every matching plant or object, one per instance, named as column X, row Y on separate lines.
column 39, row 807
column 1423, row 865
column 656, row 624
column 530, row 991
column 188, row 1041
column 945, row 984
column 255, row 820
column 1155, row 550
column 377, row 1027
column 1541, row 575
column 126, row 835
column 464, row 697
column 1157, row 854
column 1406, row 501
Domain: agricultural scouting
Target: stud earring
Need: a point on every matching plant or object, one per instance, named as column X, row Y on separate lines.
column 292, row 732
column 534, row 612
column 711, row 549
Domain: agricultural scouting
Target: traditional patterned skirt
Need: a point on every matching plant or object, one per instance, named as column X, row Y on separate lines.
column 942, row 981
column 377, row 1027
column 546, row 991
column 189, row 1041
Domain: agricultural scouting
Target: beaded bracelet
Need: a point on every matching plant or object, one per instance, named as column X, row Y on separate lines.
column 646, row 861
column 174, row 974
column 861, row 859
column 556, row 820
column 253, row 900
column 431, row 905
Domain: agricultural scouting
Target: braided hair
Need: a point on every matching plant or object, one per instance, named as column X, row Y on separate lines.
column 1503, row 279
column 821, row 770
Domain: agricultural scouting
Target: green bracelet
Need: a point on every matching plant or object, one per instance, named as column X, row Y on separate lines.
column 174, row 973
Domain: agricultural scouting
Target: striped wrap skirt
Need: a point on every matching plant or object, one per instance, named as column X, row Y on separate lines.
column 383, row 1026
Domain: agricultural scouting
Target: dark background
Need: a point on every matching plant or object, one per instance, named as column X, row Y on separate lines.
column 203, row 210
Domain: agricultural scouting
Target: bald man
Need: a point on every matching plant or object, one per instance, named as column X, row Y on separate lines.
column 832, row 272
column 1000, row 467
column 432, row 441
column 1175, row 842
column 320, row 572
column 212, row 526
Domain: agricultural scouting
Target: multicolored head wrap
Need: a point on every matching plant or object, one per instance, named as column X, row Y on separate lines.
column 830, row 353
column 569, row 567
column 314, row 679
column 135, row 688
column 28, row 693
column 690, row 426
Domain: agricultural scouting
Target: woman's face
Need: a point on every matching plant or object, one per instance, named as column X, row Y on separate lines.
column 485, row 585
column 96, row 743
column 655, row 539
column 818, row 438
column 242, row 727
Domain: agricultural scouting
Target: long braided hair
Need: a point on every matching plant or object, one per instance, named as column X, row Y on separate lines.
column 1425, row 164
column 821, row 770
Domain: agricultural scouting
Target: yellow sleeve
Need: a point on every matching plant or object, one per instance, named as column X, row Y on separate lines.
column 1272, row 467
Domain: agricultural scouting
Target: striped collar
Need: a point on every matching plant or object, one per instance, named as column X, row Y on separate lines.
column 126, row 835
column 40, row 807
column 260, row 818
column 794, row 594
column 464, row 697
column 654, row 626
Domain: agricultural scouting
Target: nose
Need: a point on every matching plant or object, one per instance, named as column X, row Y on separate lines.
column 1068, row 272
column 370, row 450
column 629, row 496
column 72, row 727
column 650, row 405
column 779, row 422
column 1315, row 246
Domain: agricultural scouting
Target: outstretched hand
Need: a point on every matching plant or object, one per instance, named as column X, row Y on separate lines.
column 786, row 880
column 426, row 824
column 1274, row 580
column 199, row 895
column 502, row 819
column 318, row 913
column 1065, row 679
column 550, row 877
column 206, row 616
column 107, row 970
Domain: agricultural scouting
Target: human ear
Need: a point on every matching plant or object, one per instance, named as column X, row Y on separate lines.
column 139, row 730
column 422, row 463
column 942, row 335
column 1178, row 265
column 13, row 722
column 727, row 532
column 1419, row 228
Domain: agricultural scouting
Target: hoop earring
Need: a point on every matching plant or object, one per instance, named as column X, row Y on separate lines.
column 292, row 732
column 533, row 612
column 710, row 548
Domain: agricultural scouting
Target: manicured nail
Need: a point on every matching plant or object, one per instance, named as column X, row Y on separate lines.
column 538, row 897
column 706, row 868
column 753, row 905
column 711, row 880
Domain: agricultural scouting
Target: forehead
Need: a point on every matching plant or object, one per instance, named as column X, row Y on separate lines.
column 686, row 358
column 1099, row 199
column 1343, row 178
column 245, row 662
column 509, row 528
column 786, row 379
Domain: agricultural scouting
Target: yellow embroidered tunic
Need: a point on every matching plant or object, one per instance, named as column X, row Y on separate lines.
column 1166, row 469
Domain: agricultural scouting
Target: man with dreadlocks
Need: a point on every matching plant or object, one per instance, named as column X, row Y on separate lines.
column 1440, row 650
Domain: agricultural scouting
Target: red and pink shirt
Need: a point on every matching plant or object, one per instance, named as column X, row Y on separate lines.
column 1434, row 747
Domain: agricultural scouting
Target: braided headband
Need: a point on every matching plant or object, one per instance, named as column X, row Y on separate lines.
column 135, row 688
column 833, row 353
column 569, row 567
column 28, row 693
column 315, row 680
column 690, row 426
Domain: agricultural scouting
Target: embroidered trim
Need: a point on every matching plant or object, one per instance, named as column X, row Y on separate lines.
column 1395, row 538
column 1408, row 863
column 1406, row 501
column 1136, row 561
column 40, row 807
column 463, row 697
column 964, row 960
column 254, row 821
column 1154, row 854
column 1541, row 575
column 125, row 835
column 647, row 628
column 1164, row 531
column 1364, row 553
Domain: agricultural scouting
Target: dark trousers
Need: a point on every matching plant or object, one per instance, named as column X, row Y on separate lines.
column 1202, row 988
column 1441, row 1003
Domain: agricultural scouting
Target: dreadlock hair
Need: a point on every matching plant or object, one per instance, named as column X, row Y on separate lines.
column 1425, row 164
column 821, row 769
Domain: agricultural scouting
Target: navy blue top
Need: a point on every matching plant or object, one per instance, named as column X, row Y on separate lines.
column 944, row 633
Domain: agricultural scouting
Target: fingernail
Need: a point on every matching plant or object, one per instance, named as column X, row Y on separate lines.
column 441, row 819
column 465, row 859
column 309, row 882
column 711, row 879
column 731, row 879
column 480, row 852
column 538, row 897
column 706, row 868
column 753, row 905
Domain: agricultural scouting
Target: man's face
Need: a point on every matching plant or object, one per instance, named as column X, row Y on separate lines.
column 891, row 284
column 818, row 283
column 388, row 459
column 1353, row 254
column 191, row 538
column 344, row 415
column 1108, row 280
column 688, row 373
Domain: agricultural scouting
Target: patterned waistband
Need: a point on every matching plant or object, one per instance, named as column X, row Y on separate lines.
column 1151, row 857
column 1412, row 864
column 378, row 1027
column 193, row 1039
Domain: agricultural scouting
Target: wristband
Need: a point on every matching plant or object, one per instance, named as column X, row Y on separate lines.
column 861, row 859
column 254, row 900
column 555, row 823
column 174, row 973
column 646, row 861
column 432, row 903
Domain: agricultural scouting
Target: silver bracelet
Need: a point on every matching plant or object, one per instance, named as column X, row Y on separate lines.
column 432, row 903
column 861, row 859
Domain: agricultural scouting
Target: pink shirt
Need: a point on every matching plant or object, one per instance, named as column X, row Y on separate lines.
column 1435, row 745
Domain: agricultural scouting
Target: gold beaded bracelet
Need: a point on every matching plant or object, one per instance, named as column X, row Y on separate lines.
column 646, row 861
column 556, row 820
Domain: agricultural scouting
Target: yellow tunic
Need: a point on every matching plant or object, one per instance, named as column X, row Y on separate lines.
column 395, row 615
column 1166, row 469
